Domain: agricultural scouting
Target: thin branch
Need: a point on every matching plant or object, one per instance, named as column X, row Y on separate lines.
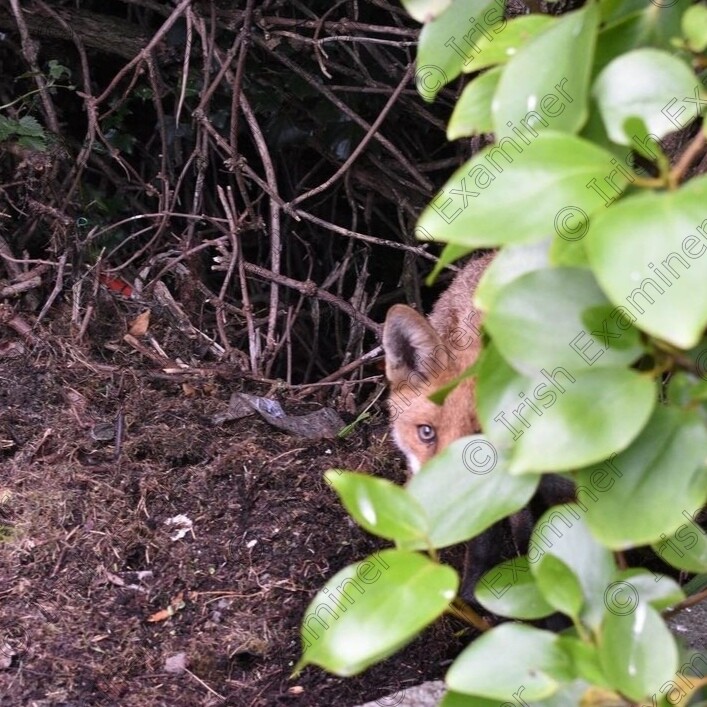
column 350, row 113
column 362, row 145
column 686, row 159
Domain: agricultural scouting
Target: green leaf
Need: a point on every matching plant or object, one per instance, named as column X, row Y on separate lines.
column 498, row 391
column 425, row 10
column 559, row 586
column 568, row 250
column 443, row 48
column 581, row 417
column 509, row 589
column 29, row 126
column 7, row 127
column 660, row 102
column 466, row 489
column 585, row 659
column 456, row 699
column 369, row 610
column 624, row 497
column 58, row 71
column 685, row 388
column 577, row 692
column 539, row 320
column 645, row 144
column 472, row 113
column 630, row 585
column 506, row 40
column 440, row 395
column 508, row 660
column 695, row 585
column 532, row 186
column 561, row 533
column 450, row 254
column 33, row 143
column 637, row 652
column 646, row 251
column 509, row 264
column 538, row 93
column 694, row 27
column 686, row 548
column 379, row 506
column 638, row 24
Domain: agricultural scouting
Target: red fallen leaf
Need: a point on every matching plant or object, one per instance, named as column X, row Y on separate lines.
column 116, row 284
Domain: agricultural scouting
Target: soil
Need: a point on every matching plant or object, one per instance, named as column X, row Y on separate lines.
column 98, row 601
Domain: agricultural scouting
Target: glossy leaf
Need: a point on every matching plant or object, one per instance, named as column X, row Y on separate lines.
column 509, row 264
column 450, row 254
column 559, row 586
column 539, row 321
column 456, row 699
column 585, row 660
column 379, row 506
column 624, row 496
column 509, row 589
column 504, row 41
column 570, row 253
column 648, row 253
column 645, row 145
column 369, row 610
column 686, row 548
column 466, row 489
column 535, row 94
column 442, row 50
column 472, row 113
column 568, row 695
column 636, row 24
column 509, row 657
column 658, row 102
column 530, row 186
column 637, row 652
column 658, row 590
column 562, row 533
column 694, row 27
column 614, row 403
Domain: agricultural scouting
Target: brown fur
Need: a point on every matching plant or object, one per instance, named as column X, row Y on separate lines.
column 423, row 355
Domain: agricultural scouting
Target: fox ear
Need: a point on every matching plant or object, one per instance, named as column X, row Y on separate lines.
column 408, row 339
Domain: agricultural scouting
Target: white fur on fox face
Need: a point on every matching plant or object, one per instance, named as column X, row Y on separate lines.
column 413, row 462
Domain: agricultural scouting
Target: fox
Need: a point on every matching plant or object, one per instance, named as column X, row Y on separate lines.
column 425, row 354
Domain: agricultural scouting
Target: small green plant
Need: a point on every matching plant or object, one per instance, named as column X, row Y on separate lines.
column 594, row 365
column 26, row 131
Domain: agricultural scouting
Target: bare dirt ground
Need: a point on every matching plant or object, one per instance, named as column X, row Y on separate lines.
column 98, row 601
column 102, row 602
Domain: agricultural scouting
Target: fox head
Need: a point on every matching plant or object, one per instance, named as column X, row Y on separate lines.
column 423, row 355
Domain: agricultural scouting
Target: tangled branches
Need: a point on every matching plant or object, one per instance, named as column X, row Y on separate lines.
column 265, row 164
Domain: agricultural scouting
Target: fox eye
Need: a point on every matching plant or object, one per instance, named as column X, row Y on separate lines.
column 426, row 433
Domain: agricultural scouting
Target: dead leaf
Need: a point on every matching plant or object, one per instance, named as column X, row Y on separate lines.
column 321, row 424
column 177, row 604
column 140, row 324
